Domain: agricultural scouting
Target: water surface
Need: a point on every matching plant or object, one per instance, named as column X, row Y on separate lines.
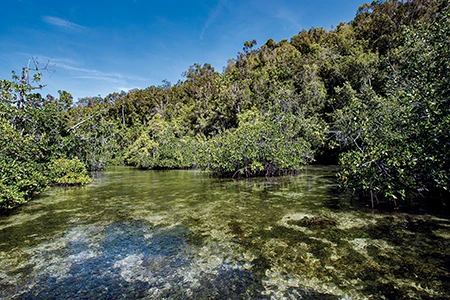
column 184, row 235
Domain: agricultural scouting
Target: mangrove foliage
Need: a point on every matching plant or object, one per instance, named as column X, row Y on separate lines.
column 371, row 95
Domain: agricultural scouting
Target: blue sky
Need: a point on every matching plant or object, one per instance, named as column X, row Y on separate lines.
column 98, row 47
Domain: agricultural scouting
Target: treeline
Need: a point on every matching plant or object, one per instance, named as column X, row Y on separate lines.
column 373, row 94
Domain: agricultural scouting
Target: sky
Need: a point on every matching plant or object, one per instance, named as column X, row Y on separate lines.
column 99, row 47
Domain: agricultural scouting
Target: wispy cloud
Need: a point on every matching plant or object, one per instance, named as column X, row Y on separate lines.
column 288, row 16
column 83, row 73
column 106, row 78
column 59, row 60
column 55, row 21
column 212, row 16
column 89, row 81
column 137, row 78
column 93, row 74
column 72, row 68
column 125, row 89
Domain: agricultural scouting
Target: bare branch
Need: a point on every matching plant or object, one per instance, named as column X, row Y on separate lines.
column 85, row 120
column 4, row 98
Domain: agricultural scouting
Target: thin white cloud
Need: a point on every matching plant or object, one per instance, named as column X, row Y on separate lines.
column 55, row 21
column 109, row 79
column 212, row 16
column 99, row 75
column 137, row 78
column 44, row 58
column 125, row 89
column 83, row 70
column 288, row 16
column 60, row 60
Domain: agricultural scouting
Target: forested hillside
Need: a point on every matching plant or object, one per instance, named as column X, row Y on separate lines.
column 371, row 95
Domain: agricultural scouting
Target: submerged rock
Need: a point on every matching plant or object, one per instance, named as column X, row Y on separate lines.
column 314, row 222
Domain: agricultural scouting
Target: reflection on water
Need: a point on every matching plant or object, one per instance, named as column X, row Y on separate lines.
column 182, row 234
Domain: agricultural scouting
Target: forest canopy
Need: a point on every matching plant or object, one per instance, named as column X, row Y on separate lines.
column 371, row 95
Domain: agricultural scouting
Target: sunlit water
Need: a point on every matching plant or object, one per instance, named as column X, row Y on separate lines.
column 184, row 235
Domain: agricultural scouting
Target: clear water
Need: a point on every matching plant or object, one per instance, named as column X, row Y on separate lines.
column 183, row 235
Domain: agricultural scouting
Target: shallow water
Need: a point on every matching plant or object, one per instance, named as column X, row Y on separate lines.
column 184, row 235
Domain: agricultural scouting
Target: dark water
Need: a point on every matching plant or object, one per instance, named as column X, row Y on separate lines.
column 182, row 235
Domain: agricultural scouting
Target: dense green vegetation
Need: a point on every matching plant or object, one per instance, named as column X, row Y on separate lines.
column 36, row 145
column 373, row 93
